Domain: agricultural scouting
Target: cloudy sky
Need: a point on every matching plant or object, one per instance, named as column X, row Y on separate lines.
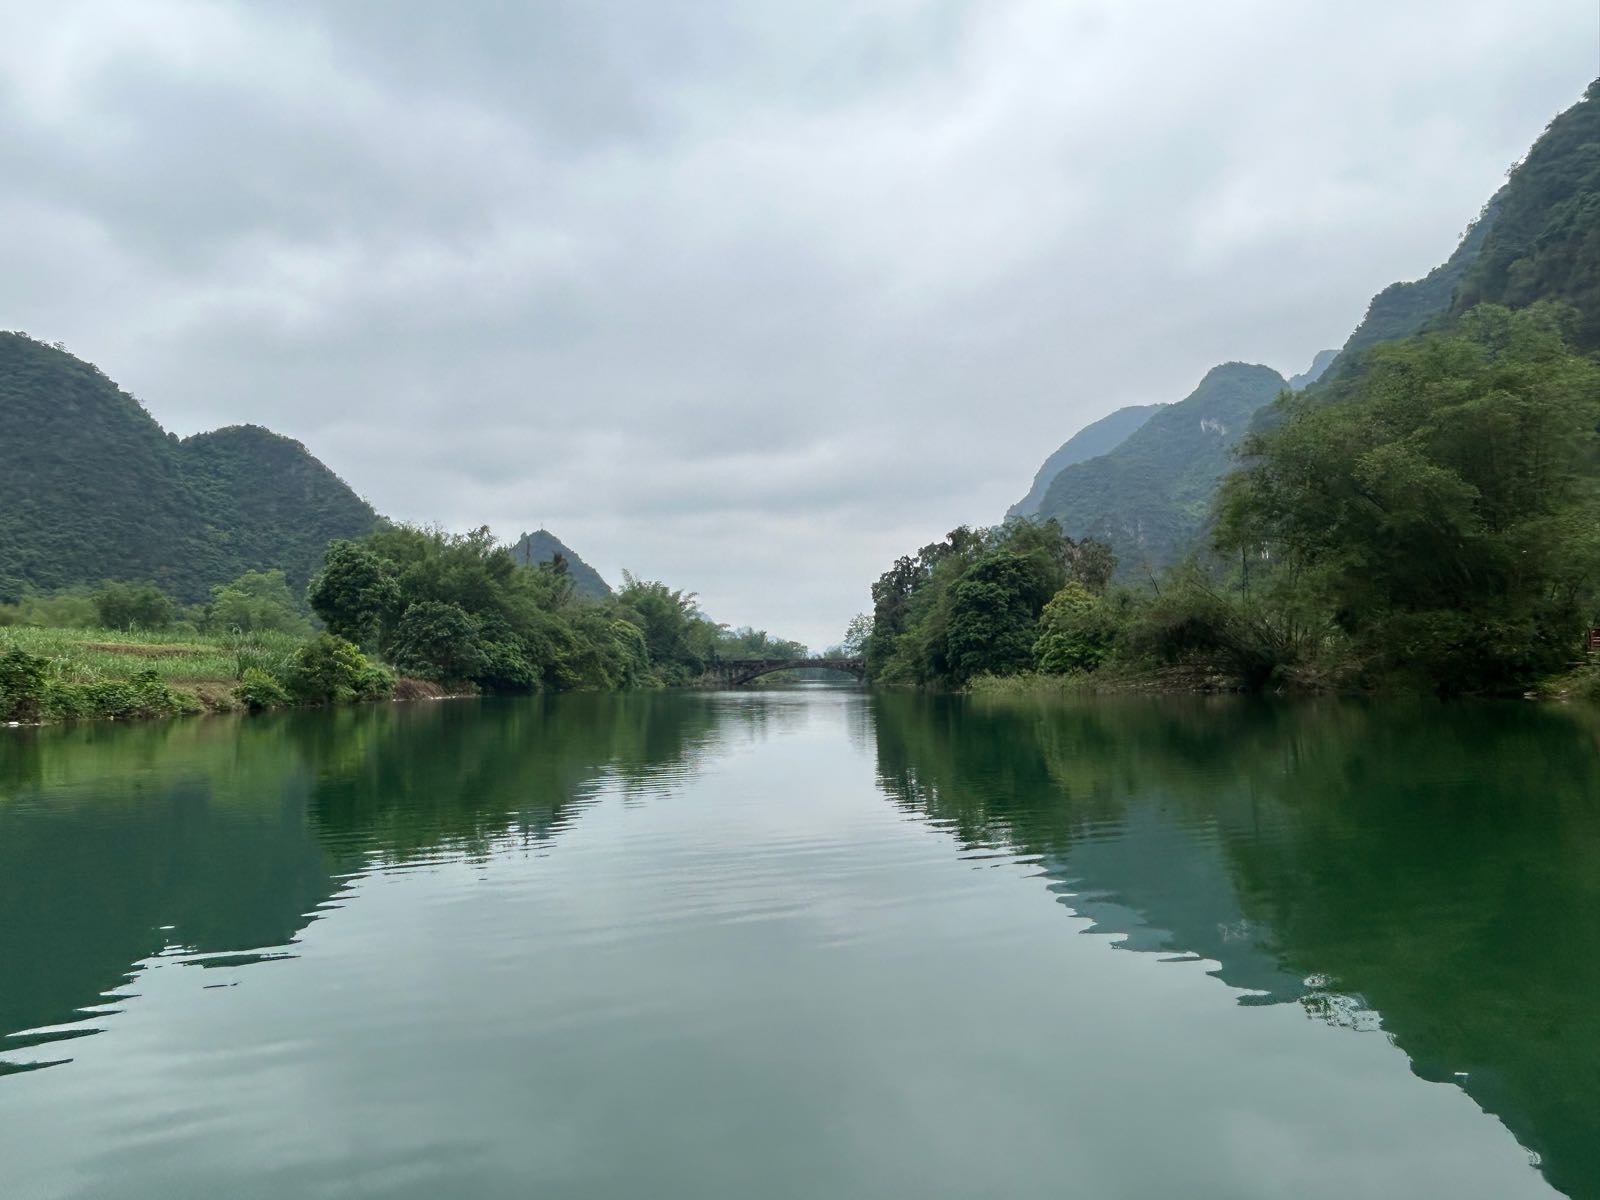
column 746, row 295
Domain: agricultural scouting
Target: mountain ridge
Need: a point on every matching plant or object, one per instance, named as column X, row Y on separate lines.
column 95, row 489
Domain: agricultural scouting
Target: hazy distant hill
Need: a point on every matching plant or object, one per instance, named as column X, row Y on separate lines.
column 1149, row 496
column 1089, row 442
column 1319, row 366
column 93, row 489
column 541, row 546
column 1403, row 309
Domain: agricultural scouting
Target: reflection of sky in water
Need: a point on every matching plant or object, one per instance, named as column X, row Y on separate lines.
column 677, row 945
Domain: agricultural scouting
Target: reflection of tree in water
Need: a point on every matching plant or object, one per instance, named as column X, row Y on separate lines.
column 1433, row 868
column 195, row 838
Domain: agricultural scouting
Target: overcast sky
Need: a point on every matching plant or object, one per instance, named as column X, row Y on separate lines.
column 748, row 296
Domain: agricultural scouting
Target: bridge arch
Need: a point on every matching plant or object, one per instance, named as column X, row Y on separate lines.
column 739, row 673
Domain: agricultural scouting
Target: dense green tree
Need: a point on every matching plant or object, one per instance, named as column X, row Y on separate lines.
column 970, row 604
column 458, row 608
column 1073, row 635
column 993, row 609
column 1444, row 508
column 256, row 601
column 355, row 592
column 133, row 606
column 857, row 635
column 437, row 640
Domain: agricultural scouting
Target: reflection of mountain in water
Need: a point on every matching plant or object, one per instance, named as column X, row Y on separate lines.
column 1436, row 868
column 204, row 838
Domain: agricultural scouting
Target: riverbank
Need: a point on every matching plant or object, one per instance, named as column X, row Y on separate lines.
column 48, row 676
column 1582, row 682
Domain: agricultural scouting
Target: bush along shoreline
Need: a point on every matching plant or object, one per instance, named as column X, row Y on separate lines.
column 406, row 614
column 40, row 690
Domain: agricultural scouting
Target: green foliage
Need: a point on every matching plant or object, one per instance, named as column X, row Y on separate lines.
column 747, row 643
column 1544, row 242
column 30, row 692
column 1444, row 513
column 258, row 689
column 857, row 635
column 970, row 604
column 1075, row 632
column 256, row 601
column 437, row 640
column 144, row 695
column 94, row 489
column 375, row 682
column 355, row 592
column 1093, row 440
column 328, row 670
column 62, row 610
column 459, row 609
column 133, row 606
column 22, row 685
column 679, row 640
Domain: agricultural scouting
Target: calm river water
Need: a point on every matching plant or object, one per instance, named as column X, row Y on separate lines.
column 804, row 943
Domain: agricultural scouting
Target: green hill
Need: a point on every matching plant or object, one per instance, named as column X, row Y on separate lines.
column 1544, row 242
column 1091, row 441
column 541, row 546
column 268, row 502
column 1149, row 497
column 94, row 489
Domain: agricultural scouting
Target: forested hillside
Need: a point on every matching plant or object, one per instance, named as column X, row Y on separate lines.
column 1544, row 241
column 1422, row 517
column 1093, row 440
column 542, row 546
column 94, row 489
column 1149, row 496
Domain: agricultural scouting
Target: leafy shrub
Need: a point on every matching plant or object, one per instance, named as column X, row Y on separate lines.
column 327, row 670
column 145, row 695
column 376, row 682
column 22, row 685
column 257, row 690
column 1076, row 633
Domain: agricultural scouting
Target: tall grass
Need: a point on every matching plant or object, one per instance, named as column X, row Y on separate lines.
column 105, row 655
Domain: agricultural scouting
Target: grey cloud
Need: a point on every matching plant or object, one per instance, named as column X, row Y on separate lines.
column 750, row 296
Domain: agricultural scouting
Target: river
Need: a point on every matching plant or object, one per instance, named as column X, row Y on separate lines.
column 808, row 942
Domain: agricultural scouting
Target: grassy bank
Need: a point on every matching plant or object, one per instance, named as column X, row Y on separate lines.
column 1109, row 680
column 49, row 675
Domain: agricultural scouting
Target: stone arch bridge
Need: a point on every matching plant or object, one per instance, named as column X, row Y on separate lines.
column 742, row 671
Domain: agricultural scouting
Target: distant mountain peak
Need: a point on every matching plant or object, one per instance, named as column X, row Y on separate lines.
column 542, row 546
column 1314, row 372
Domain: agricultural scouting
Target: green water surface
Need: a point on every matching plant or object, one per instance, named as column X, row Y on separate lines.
column 804, row 943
